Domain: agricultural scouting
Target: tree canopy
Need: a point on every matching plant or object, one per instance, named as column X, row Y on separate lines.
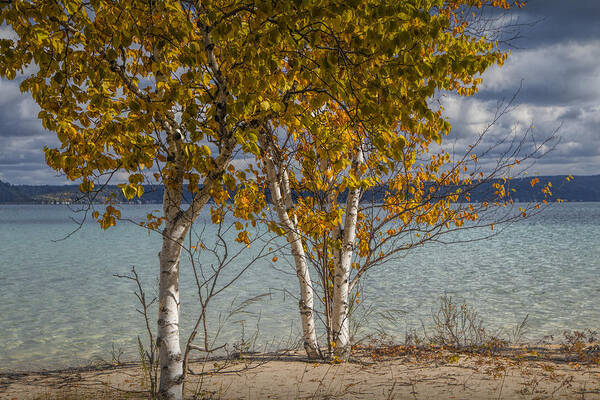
column 129, row 85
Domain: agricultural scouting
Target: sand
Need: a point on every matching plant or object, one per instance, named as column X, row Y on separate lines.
column 381, row 373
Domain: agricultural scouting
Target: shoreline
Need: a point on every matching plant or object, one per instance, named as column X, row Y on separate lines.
column 385, row 371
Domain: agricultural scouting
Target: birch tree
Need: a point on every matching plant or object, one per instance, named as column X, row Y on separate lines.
column 332, row 156
column 359, row 216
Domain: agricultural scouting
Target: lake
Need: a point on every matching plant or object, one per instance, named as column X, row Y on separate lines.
column 60, row 304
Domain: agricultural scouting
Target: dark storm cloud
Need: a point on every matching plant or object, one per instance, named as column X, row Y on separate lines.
column 577, row 127
column 554, row 66
column 22, row 139
column 18, row 112
column 560, row 73
column 558, row 21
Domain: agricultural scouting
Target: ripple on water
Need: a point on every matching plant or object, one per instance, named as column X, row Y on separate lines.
column 60, row 304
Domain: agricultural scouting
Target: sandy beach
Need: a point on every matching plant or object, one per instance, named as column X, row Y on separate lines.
column 392, row 372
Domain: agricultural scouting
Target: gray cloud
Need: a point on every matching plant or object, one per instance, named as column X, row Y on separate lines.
column 22, row 139
column 554, row 67
column 18, row 113
column 577, row 152
column 558, row 21
column 561, row 73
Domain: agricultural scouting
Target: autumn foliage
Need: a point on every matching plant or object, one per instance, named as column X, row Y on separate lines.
column 330, row 98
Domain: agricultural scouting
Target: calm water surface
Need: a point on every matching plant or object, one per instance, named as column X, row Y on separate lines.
column 60, row 304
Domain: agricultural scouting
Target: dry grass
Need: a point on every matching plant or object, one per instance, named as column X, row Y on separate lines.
column 385, row 372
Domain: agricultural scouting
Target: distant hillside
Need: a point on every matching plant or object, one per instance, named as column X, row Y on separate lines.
column 11, row 194
column 581, row 188
column 53, row 194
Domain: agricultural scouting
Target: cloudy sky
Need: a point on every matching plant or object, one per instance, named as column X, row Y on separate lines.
column 555, row 64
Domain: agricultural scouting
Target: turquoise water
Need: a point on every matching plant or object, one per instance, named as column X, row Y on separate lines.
column 60, row 304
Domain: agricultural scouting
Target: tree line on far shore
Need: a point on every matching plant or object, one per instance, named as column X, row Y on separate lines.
column 579, row 189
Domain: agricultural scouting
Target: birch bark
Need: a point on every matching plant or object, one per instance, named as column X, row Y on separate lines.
column 281, row 198
column 171, row 359
column 343, row 264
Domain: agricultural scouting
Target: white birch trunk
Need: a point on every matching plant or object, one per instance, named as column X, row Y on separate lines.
column 306, row 303
column 343, row 265
column 170, row 356
column 178, row 222
column 167, row 336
